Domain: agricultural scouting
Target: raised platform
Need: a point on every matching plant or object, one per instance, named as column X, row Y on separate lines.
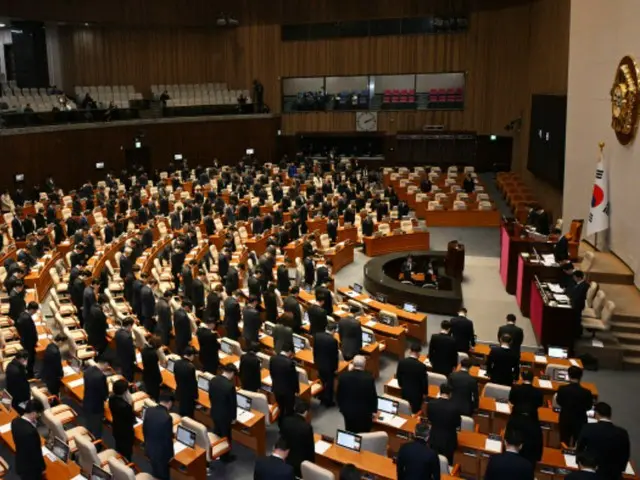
column 607, row 268
column 381, row 276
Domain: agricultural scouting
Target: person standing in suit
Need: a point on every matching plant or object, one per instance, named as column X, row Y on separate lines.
column 125, row 349
column 250, row 367
column 198, row 293
column 96, row 325
column 214, row 299
column 282, row 277
column 608, row 443
column 464, row 389
column 412, row 377
column 298, row 433
column 275, row 466
column 515, row 332
column 89, row 297
column 222, row 395
column 232, row 279
column 462, row 331
column 157, row 429
column 326, row 359
column 28, row 334
column 17, row 304
column 96, row 392
column 151, row 376
column 510, row 464
column 574, row 401
column 148, row 303
column 251, row 320
column 124, row 419
column 209, row 346
column 503, row 364
column 182, row 327
column 232, row 315
column 17, row 383
column 416, row 460
column 284, row 378
column 186, row 383
column 29, row 460
column 357, row 396
column 283, row 333
column 525, row 397
column 443, row 354
column 291, row 305
column 445, row 420
column 317, row 317
column 529, row 426
column 51, row 372
column 588, row 468
column 164, row 325
column 350, row 331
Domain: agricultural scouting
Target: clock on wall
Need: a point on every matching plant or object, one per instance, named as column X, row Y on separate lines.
column 625, row 100
column 366, row 121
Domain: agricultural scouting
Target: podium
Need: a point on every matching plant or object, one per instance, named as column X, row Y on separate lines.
column 530, row 266
column 454, row 263
column 552, row 322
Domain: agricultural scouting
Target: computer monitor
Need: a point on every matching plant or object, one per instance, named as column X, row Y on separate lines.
column 144, row 412
column 19, row 177
column 298, row 343
column 385, row 319
column 410, row 307
column 243, row 401
column 558, row 352
column 305, row 319
column 249, row 151
column 357, row 288
column 388, row 405
column 177, row 156
column 6, row 399
column 203, row 383
column 186, row 437
column 268, row 328
column 226, row 348
column 367, row 338
column 348, row 440
column 171, row 363
column 560, row 376
column 381, row 297
column 60, row 449
column 98, row 473
column 100, row 166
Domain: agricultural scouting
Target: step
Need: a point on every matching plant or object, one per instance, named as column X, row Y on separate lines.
column 625, row 327
column 631, row 363
column 626, row 338
column 630, row 350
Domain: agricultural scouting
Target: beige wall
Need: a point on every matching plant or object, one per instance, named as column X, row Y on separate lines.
column 601, row 34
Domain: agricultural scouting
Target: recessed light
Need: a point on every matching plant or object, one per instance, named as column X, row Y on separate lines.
column 86, row 24
column 2, row 25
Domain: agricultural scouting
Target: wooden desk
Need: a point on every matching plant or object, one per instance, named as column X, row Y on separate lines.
column 340, row 256
column 406, row 242
column 538, row 363
column 293, row 250
column 258, row 245
column 458, row 218
column 41, row 280
column 393, row 338
column 347, row 233
column 528, row 268
column 318, row 224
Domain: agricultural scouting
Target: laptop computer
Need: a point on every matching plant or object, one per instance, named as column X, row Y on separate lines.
column 305, row 319
column 560, row 376
column 410, row 307
column 348, row 440
column 386, row 319
column 558, row 352
column 98, row 473
column 268, row 328
column 6, row 399
column 61, row 449
column 387, row 405
column 203, row 383
column 357, row 288
column 367, row 338
column 243, row 402
column 171, row 364
column 298, row 343
column 226, row 348
column 381, row 297
column 186, row 437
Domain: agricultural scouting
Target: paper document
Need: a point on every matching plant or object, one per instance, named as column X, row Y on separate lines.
column 367, row 300
column 5, row 428
column 237, row 363
column 574, row 362
column 482, row 372
column 76, row 383
column 493, row 445
column 503, row 407
column 322, row 446
column 371, row 323
column 597, row 343
column 49, row 454
column 394, row 383
column 42, row 336
column 178, row 447
column 548, row 259
column 427, row 362
column 545, row 384
column 393, row 420
column 570, row 461
column 243, row 416
column 267, row 380
column 555, row 288
column 561, row 297
column 138, row 422
column 629, row 469
column 540, row 359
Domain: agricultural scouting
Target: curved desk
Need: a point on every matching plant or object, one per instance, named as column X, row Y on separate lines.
column 401, row 242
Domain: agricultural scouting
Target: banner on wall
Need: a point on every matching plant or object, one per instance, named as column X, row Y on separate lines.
column 599, row 212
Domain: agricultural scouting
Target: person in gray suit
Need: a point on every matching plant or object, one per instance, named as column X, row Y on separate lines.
column 350, row 332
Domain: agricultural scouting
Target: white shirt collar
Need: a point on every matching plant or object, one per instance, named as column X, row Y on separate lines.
column 512, row 449
column 274, row 454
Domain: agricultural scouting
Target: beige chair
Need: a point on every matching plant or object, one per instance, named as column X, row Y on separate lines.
column 260, row 403
column 600, row 324
column 138, row 337
column 311, row 471
column 213, row 445
column 406, row 226
column 235, row 345
column 375, row 442
column 316, row 385
column 384, row 228
column 434, row 205
column 64, row 413
column 404, row 407
column 445, row 468
column 60, row 287
column 81, row 352
column 56, row 429
column 88, row 455
column 325, row 241
column 591, row 295
column 485, row 205
column 394, row 318
column 437, row 379
column 495, row 391
column 596, row 306
column 120, row 471
column 459, row 205
column 587, row 262
column 467, row 424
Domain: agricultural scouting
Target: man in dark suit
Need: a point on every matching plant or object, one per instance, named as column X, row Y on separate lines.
column 608, row 443
column 222, row 395
column 357, row 396
column 462, row 331
column 588, row 468
column 326, row 360
column 157, row 429
column 51, row 372
column 574, row 401
column 443, row 354
column 125, row 349
column 29, row 459
column 515, row 332
column 445, row 420
column 275, row 466
column 250, row 367
column 182, row 327
column 412, row 377
column 292, row 306
column 17, row 304
column 284, row 378
column 503, row 364
column 96, row 325
column 350, row 331
column 96, row 392
column 164, row 324
column 525, row 397
column 317, row 317
column 251, row 320
column 578, row 297
column 148, row 304
column 232, row 315
column 151, row 375
column 124, row 419
column 255, row 284
column 416, row 460
column 464, row 389
column 223, row 262
column 309, row 271
column 323, row 273
column 186, row 383
column 232, row 279
column 126, row 264
column 510, row 464
column 209, row 346
column 28, row 334
column 298, row 433
column 17, row 383
column 89, row 297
